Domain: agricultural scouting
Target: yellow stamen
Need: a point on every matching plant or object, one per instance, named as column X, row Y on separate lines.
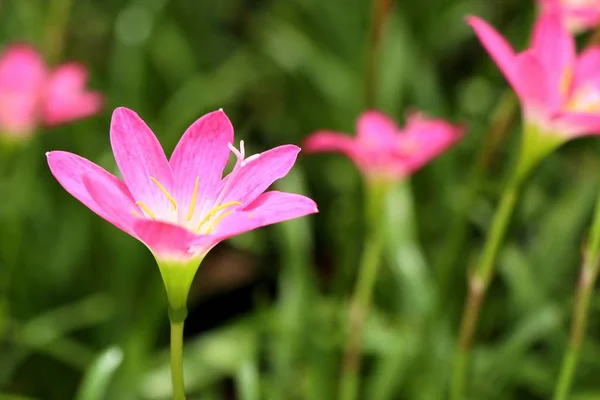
column 566, row 80
column 145, row 208
column 193, row 204
column 216, row 221
column 215, row 210
column 164, row 190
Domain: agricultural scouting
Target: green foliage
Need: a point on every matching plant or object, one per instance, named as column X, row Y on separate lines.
column 83, row 312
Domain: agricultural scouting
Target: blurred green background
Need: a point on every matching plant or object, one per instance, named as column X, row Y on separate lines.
column 82, row 308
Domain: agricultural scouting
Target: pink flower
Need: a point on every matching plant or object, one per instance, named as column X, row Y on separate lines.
column 559, row 90
column 577, row 15
column 31, row 95
column 22, row 78
column 382, row 150
column 66, row 97
column 180, row 208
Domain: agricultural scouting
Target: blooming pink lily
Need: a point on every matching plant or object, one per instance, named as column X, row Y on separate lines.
column 31, row 95
column 382, row 150
column 180, row 208
column 578, row 15
column 559, row 90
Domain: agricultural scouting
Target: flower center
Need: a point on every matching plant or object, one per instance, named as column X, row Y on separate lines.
column 407, row 146
column 199, row 223
column 585, row 99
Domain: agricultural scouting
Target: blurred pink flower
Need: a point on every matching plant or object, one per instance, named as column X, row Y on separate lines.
column 559, row 90
column 182, row 207
column 382, row 150
column 578, row 15
column 66, row 97
column 31, row 95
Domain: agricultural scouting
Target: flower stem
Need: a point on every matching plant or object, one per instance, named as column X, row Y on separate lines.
column 58, row 19
column 177, row 319
column 380, row 11
column 363, row 291
column 479, row 282
column 585, row 289
column 502, row 119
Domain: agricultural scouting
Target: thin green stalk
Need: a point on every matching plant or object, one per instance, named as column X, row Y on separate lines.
column 363, row 291
column 380, row 11
column 585, row 290
column 535, row 145
column 501, row 121
column 177, row 319
column 58, row 18
column 479, row 282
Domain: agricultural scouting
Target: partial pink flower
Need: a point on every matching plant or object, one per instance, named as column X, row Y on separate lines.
column 382, row 150
column 180, row 208
column 558, row 89
column 66, row 96
column 31, row 95
column 22, row 79
column 577, row 15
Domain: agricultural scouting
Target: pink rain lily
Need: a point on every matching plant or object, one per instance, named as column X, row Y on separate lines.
column 32, row 95
column 558, row 89
column 382, row 150
column 180, row 208
column 578, row 15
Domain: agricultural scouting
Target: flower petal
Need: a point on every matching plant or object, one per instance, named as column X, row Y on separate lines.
column 269, row 208
column 202, row 153
column 534, row 86
column 554, row 47
column 587, row 71
column 114, row 201
column 66, row 96
column 429, row 138
column 166, row 241
column 22, row 78
column 246, row 182
column 327, row 141
column 72, row 172
column 498, row 48
column 141, row 159
column 579, row 124
column 376, row 130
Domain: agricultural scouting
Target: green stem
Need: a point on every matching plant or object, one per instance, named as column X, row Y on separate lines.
column 479, row 282
column 380, row 11
column 177, row 319
column 535, row 145
column 502, row 118
column 363, row 291
column 585, row 290
column 58, row 18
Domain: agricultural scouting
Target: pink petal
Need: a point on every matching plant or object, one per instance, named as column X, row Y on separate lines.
column 140, row 158
column 247, row 182
column 498, row 48
column 66, row 97
column 78, row 175
column 22, row 79
column 534, row 86
column 376, row 130
column 114, row 201
column 579, row 124
column 554, row 47
column 168, row 242
column 587, row 67
column 269, row 208
column 430, row 138
column 327, row 141
column 202, row 153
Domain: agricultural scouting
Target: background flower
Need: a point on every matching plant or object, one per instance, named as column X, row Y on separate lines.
column 31, row 94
